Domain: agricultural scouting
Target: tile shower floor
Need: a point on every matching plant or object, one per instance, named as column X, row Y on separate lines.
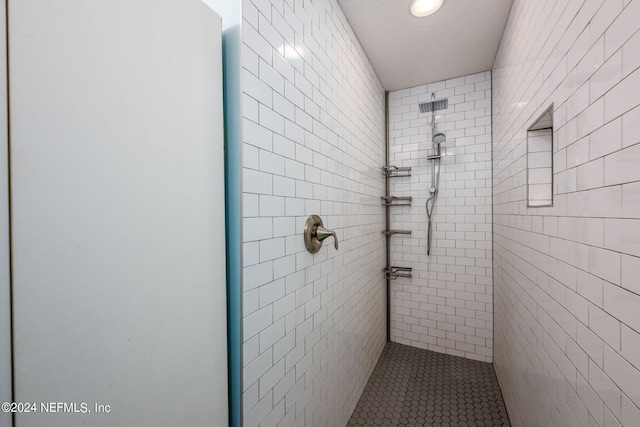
column 414, row 387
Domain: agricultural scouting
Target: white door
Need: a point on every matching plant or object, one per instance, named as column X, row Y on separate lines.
column 117, row 212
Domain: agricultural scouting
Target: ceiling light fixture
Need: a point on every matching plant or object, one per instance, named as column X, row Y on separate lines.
column 422, row 8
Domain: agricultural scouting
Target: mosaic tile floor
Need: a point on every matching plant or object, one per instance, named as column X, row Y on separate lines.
column 414, row 387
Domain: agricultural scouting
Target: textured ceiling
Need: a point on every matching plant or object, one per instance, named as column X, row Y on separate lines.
column 461, row 38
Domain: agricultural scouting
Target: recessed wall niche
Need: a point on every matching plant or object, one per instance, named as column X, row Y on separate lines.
column 540, row 161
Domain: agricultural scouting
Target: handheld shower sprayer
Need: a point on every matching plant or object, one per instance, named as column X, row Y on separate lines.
column 439, row 138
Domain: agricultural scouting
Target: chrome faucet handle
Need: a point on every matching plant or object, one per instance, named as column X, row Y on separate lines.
column 315, row 233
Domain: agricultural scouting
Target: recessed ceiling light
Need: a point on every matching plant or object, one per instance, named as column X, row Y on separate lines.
column 422, row 8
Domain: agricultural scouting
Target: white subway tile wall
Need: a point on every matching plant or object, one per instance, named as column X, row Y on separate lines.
column 313, row 111
column 567, row 299
column 447, row 306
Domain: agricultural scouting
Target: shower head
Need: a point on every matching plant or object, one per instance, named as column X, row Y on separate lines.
column 429, row 107
column 439, row 138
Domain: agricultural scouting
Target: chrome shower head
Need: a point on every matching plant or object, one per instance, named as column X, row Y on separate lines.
column 429, row 107
column 439, row 138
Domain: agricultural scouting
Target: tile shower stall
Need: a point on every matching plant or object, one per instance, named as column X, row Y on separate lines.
column 550, row 295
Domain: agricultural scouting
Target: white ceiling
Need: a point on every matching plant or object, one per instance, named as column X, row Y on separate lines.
column 461, row 38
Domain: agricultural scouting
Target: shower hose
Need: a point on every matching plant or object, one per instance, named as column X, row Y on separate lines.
column 431, row 201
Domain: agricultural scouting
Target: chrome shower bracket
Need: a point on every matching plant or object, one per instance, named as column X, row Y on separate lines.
column 315, row 233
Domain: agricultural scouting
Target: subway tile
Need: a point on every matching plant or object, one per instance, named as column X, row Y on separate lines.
column 257, row 135
column 271, row 249
column 591, row 400
column 250, row 154
column 599, row 202
column 257, row 89
column 272, row 206
column 257, row 182
column 283, row 186
column 624, row 303
column 251, row 253
column 631, row 127
column 617, row 101
column 591, row 344
column 253, row 324
column 251, row 301
column 271, row 163
column 567, row 181
column 578, row 101
column 250, row 396
column 294, row 169
column 271, row 77
column 605, row 263
column 606, row 77
column 257, row 229
column 604, row 17
column 622, row 373
column 592, row 61
column 284, row 385
column 271, row 120
column 630, row 56
column 606, row 140
column 619, row 166
column 255, row 415
column 622, row 28
column 269, row 33
column 270, row 335
column 631, row 273
column 283, row 107
column 604, row 325
column 282, row 66
column 250, row 206
column 611, row 419
column 590, row 287
column 622, row 235
column 590, row 175
column 284, row 266
column 605, row 388
column 257, row 275
column 250, row 61
column 630, row 411
column 592, row 117
column 293, row 94
column 255, row 41
column 577, row 153
column 630, row 345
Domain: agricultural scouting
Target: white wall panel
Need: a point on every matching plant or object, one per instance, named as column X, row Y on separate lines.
column 118, row 211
